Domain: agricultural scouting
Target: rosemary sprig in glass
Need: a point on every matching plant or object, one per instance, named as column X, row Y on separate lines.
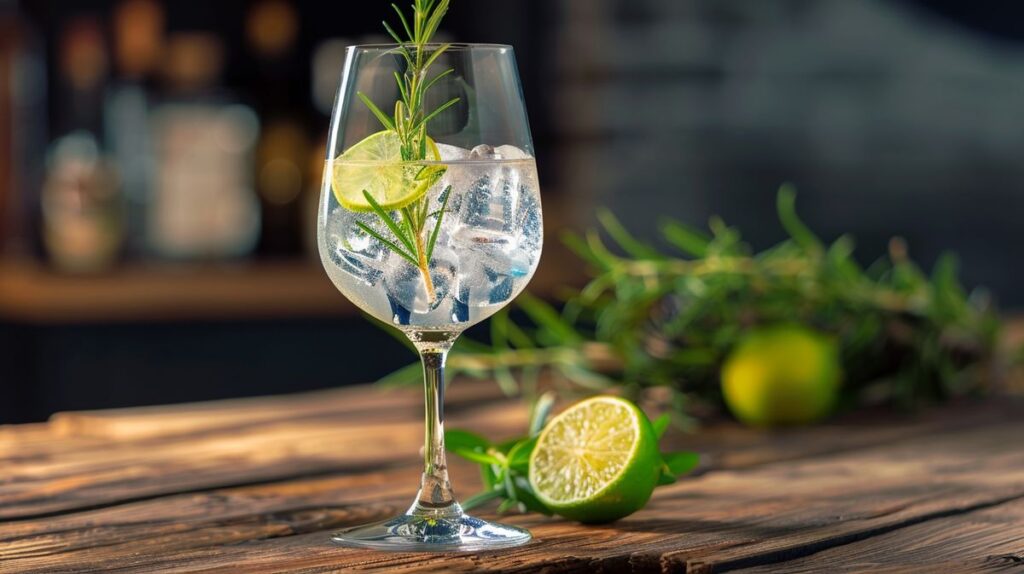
column 409, row 122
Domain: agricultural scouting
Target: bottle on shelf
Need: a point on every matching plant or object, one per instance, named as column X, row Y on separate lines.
column 203, row 206
column 271, row 35
column 83, row 215
column 81, row 204
column 138, row 32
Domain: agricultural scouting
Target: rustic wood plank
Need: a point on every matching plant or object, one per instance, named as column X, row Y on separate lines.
column 721, row 514
column 99, row 431
column 120, row 471
column 884, row 489
column 351, row 404
column 318, row 433
column 96, row 540
column 718, row 521
column 34, row 441
column 989, row 540
column 726, row 445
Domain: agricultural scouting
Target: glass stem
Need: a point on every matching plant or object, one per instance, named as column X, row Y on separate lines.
column 435, row 497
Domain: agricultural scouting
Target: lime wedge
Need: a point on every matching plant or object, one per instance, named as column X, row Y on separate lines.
column 375, row 165
column 596, row 462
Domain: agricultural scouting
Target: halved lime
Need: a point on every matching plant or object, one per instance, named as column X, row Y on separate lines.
column 375, row 165
column 596, row 462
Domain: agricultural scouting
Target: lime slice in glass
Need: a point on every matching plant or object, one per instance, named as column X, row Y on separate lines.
column 375, row 165
column 596, row 462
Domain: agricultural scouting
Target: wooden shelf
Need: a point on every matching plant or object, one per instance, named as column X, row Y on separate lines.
column 30, row 292
column 33, row 293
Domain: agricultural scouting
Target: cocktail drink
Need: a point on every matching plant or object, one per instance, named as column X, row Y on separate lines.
column 487, row 245
column 430, row 221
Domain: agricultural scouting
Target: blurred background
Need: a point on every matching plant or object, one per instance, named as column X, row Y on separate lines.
column 160, row 162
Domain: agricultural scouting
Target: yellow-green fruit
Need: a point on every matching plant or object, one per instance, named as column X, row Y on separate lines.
column 785, row 375
column 596, row 462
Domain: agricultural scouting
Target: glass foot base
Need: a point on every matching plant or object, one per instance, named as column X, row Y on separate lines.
column 413, row 533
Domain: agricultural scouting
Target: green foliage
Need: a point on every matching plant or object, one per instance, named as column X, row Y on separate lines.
column 650, row 319
column 504, row 468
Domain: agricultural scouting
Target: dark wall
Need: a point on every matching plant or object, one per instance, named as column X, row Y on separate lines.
column 891, row 117
column 50, row 368
column 894, row 117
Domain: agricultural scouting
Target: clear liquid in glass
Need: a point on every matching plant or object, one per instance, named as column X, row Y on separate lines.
column 487, row 248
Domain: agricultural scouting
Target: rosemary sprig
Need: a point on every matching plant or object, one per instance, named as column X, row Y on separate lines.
column 659, row 323
column 409, row 121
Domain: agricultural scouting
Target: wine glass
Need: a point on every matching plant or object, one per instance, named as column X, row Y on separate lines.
column 433, row 244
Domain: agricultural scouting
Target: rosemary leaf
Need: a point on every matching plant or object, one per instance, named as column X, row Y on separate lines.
column 390, row 245
column 786, row 205
column 518, row 337
column 437, row 224
column 546, row 316
column 408, row 224
column 438, row 110
column 685, row 239
column 401, row 18
column 437, row 53
column 386, row 218
column 391, row 32
column 381, row 116
column 435, row 19
column 401, row 88
column 435, row 79
column 625, row 239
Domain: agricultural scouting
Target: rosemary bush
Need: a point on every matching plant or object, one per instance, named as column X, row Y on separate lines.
column 656, row 324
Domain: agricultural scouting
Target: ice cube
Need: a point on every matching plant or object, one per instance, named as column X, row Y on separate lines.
column 492, row 200
column 352, row 249
column 499, row 251
column 405, row 285
column 490, row 263
column 529, row 222
column 503, row 152
column 482, row 151
column 452, row 153
column 510, row 152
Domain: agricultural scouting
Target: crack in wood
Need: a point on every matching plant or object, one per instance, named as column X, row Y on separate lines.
column 792, row 553
column 282, row 479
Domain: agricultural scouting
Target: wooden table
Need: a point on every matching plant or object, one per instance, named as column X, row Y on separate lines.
column 257, row 485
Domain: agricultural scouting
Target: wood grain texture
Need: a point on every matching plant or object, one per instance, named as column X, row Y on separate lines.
column 80, row 472
column 258, row 485
column 988, row 540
